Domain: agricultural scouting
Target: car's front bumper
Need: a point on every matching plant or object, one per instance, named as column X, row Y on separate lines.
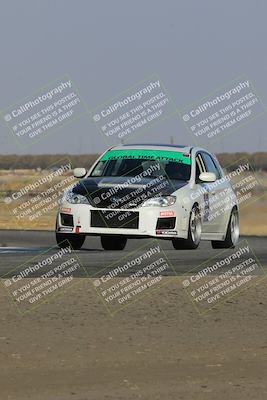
column 161, row 222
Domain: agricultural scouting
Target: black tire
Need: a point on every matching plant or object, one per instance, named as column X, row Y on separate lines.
column 230, row 241
column 113, row 242
column 75, row 240
column 192, row 242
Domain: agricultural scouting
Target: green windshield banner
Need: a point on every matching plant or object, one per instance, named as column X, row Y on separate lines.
column 163, row 155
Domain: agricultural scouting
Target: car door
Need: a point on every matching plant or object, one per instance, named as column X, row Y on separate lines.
column 203, row 189
column 217, row 194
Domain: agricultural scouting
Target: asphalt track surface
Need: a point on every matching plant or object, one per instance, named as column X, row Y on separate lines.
column 18, row 247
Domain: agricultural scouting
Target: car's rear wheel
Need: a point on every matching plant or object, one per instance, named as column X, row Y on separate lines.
column 75, row 240
column 110, row 242
column 232, row 233
column 194, row 232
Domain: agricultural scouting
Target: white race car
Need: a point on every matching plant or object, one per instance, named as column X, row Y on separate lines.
column 164, row 191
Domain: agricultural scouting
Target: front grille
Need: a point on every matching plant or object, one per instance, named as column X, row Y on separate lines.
column 114, row 219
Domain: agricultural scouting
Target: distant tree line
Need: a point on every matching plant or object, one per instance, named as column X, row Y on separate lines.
column 257, row 161
column 43, row 161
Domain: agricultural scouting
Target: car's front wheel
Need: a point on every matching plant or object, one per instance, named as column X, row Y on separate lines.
column 232, row 233
column 110, row 242
column 194, row 232
column 74, row 240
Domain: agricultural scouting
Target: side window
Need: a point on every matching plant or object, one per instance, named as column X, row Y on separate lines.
column 210, row 165
column 217, row 164
column 199, row 166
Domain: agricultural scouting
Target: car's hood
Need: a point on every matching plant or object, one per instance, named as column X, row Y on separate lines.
column 124, row 192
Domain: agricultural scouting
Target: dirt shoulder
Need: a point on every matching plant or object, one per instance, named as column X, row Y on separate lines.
column 157, row 348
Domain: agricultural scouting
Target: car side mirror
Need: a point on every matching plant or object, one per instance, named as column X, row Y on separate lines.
column 207, row 177
column 79, row 172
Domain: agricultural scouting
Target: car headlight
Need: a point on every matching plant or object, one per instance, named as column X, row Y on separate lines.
column 163, row 201
column 74, row 198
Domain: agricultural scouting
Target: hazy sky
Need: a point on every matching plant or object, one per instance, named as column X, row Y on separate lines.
column 108, row 46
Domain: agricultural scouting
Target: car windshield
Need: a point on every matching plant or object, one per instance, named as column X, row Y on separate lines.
column 149, row 164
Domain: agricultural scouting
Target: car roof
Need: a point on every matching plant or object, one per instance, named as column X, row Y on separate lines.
column 155, row 146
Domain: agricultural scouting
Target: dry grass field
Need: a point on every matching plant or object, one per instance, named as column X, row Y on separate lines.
column 40, row 213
